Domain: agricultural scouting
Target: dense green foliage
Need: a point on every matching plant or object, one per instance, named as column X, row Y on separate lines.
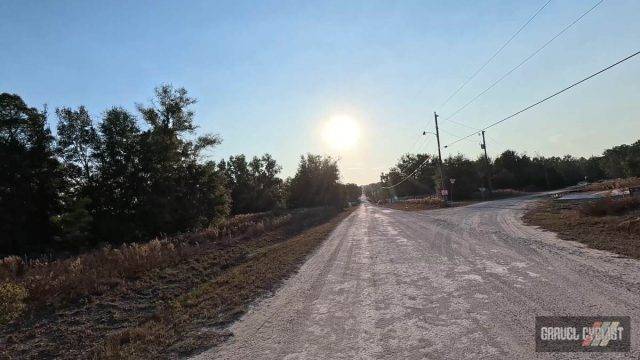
column 30, row 176
column 315, row 183
column 114, row 182
column 255, row 185
column 510, row 170
column 109, row 183
column 351, row 193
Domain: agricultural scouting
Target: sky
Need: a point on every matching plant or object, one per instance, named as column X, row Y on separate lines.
column 268, row 75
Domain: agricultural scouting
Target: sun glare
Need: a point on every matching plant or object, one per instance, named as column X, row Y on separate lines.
column 341, row 132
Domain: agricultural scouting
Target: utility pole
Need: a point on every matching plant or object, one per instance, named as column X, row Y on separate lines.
column 486, row 159
column 435, row 116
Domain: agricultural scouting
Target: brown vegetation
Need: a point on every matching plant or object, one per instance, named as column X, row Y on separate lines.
column 59, row 281
column 202, row 311
column 426, row 203
column 610, row 206
column 140, row 297
column 436, row 202
column 608, row 224
column 613, row 184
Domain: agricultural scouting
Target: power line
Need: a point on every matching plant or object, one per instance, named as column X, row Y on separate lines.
column 494, row 55
column 416, row 142
column 497, row 141
column 461, row 124
column 423, row 145
column 408, row 176
column 547, row 98
column 417, row 168
column 450, row 133
column 524, row 61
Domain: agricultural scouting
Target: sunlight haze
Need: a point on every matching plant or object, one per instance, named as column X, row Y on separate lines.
column 268, row 74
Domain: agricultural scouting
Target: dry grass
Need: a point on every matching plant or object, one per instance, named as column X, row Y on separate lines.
column 140, row 304
column 426, row 203
column 11, row 302
column 60, row 281
column 616, row 233
column 202, row 312
column 610, row 206
column 436, row 202
column 613, row 184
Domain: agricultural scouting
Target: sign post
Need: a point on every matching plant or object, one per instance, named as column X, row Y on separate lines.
column 453, row 181
column 482, row 190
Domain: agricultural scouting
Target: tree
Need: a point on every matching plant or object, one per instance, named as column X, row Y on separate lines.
column 352, row 192
column 467, row 179
column 315, row 183
column 570, row 170
column 592, row 169
column 179, row 193
column 119, row 182
column 266, row 183
column 29, row 177
column 76, row 140
column 238, row 180
column 413, row 175
column 254, row 185
column 622, row 161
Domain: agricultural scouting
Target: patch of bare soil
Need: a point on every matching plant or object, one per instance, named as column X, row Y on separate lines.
column 616, row 233
column 172, row 311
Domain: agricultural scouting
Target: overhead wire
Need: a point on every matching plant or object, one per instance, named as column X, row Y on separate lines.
column 557, row 35
column 494, row 55
column 546, row 98
column 408, row 176
column 414, row 171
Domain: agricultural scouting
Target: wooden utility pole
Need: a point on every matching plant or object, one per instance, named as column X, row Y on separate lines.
column 486, row 159
column 435, row 116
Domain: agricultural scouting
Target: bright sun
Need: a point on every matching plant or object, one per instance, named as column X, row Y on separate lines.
column 341, row 132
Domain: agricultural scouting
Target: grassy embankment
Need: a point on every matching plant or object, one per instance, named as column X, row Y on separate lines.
column 611, row 224
column 166, row 298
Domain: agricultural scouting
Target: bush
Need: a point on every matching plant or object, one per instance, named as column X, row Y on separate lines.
column 432, row 201
column 610, row 206
column 11, row 267
column 58, row 281
column 11, row 301
column 613, row 184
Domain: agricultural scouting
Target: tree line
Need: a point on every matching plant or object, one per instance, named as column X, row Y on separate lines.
column 130, row 177
column 509, row 170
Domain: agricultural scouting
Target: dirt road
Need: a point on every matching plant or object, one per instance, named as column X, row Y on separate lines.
column 454, row 283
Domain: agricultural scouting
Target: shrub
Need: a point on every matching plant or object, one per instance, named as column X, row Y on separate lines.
column 11, row 301
column 434, row 201
column 52, row 282
column 613, row 184
column 610, row 206
column 11, row 267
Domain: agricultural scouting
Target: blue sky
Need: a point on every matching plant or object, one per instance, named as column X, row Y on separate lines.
column 268, row 74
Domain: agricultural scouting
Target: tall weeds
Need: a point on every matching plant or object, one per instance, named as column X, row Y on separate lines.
column 610, row 206
column 63, row 280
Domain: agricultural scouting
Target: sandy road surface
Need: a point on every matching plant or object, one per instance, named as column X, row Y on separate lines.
column 452, row 283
